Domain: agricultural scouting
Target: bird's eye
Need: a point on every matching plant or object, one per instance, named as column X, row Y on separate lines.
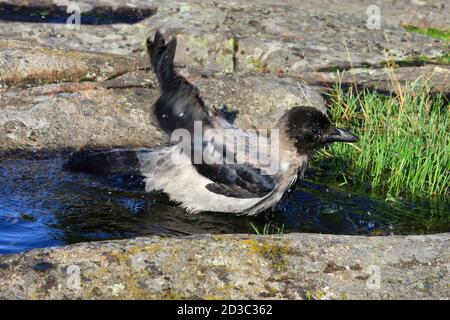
column 316, row 133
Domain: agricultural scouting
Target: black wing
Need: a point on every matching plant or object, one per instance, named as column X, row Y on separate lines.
column 236, row 180
column 180, row 103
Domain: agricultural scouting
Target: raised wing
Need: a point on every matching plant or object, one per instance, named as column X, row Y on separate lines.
column 180, row 103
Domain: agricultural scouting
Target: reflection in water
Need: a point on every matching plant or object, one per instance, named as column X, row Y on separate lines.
column 41, row 205
column 60, row 14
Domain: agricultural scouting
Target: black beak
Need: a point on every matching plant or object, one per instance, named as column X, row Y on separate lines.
column 341, row 135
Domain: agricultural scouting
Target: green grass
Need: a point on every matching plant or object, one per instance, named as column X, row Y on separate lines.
column 431, row 32
column 423, row 60
column 404, row 145
column 434, row 33
column 419, row 60
column 444, row 59
column 268, row 229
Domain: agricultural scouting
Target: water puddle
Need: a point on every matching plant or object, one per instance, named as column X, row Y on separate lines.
column 58, row 14
column 42, row 205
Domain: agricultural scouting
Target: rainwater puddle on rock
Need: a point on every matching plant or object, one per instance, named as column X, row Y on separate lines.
column 60, row 14
column 42, row 205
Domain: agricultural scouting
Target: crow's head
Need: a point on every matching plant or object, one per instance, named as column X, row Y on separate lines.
column 310, row 129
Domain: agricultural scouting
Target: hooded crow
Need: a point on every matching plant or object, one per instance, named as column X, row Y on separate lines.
column 212, row 165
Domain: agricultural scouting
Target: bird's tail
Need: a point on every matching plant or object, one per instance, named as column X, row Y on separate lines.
column 105, row 162
column 162, row 55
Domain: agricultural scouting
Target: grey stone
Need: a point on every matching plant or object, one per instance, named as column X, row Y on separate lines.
column 436, row 77
column 295, row 37
column 292, row 266
column 25, row 64
column 289, row 37
column 118, row 112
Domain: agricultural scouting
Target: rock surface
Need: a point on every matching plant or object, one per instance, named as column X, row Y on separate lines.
column 118, row 112
column 292, row 266
column 219, row 16
column 305, row 40
column 437, row 77
column 23, row 64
